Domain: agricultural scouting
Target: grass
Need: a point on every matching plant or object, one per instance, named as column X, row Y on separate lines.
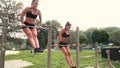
column 58, row 60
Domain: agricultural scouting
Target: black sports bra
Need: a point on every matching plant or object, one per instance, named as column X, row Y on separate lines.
column 29, row 14
column 65, row 34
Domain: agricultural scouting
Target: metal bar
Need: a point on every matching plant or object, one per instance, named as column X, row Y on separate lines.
column 108, row 55
column 37, row 27
column 49, row 47
column 77, row 48
column 4, row 33
column 27, row 26
column 108, row 63
column 96, row 55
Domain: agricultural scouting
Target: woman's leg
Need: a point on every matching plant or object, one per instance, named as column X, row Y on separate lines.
column 71, row 60
column 28, row 32
column 34, row 33
column 67, row 55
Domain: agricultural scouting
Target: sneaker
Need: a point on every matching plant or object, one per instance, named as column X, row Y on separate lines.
column 73, row 66
column 35, row 50
column 38, row 50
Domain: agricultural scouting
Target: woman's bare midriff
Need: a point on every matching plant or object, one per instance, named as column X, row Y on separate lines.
column 64, row 40
column 30, row 20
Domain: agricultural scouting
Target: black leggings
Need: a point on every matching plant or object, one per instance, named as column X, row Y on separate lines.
column 62, row 44
column 28, row 24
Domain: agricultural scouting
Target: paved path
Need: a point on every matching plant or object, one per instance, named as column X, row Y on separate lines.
column 11, row 52
column 17, row 64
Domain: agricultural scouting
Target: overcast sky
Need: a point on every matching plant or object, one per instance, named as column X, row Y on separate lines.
column 82, row 13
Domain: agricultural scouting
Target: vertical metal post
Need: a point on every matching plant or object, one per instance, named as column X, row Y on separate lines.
column 108, row 55
column 77, row 48
column 108, row 63
column 96, row 55
column 49, row 46
column 4, row 33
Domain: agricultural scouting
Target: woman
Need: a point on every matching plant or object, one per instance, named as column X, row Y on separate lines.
column 64, row 36
column 28, row 25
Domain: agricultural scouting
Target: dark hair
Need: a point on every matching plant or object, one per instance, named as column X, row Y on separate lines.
column 33, row 1
column 68, row 24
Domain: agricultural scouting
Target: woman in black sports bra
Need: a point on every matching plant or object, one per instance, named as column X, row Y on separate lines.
column 64, row 36
column 30, row 14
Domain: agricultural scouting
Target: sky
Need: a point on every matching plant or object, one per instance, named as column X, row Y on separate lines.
column 80, row 13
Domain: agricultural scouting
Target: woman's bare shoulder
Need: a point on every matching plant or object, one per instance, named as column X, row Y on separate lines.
column 62, row 31
column 27, row 8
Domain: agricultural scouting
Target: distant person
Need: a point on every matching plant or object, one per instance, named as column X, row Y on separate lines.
column 64, row 36
column 28, row 24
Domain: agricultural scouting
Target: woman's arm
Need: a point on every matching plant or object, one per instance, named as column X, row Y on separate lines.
column 60, row 36
column 70, row 38
column 40, row 18
column 23, row 14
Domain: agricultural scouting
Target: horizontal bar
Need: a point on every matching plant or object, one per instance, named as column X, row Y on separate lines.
column 36, row 27
column 28, row 26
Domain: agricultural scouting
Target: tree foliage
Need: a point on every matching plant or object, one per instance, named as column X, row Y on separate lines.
column 115, row 37
column 43, row 34
column 100, row 36
column 10, row 9
column 88, row 34
column 55, row 26
column 110, row 29
column 43, row 38
column 73, row 34
column 82, row 38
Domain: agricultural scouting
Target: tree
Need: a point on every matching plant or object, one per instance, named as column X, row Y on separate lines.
column 88, row 34
column 10, row 9
column 43, row 38
column 15, row 43
column 43, row 34
column 73, row 34
column 100, row 36
column 110, row 29
column 115, row 37
column 83, row 38
column 55, row 26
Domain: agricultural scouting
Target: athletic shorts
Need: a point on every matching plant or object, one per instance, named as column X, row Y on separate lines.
column 62, row 44
column 28, row 24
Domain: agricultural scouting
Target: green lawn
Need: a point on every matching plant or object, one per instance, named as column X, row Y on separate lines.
column 58, row 60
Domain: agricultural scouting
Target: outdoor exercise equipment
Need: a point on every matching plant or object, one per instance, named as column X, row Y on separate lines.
column 4, row 33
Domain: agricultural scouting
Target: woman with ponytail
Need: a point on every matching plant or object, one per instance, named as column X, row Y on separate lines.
column 64, row 36
column 30, row 14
